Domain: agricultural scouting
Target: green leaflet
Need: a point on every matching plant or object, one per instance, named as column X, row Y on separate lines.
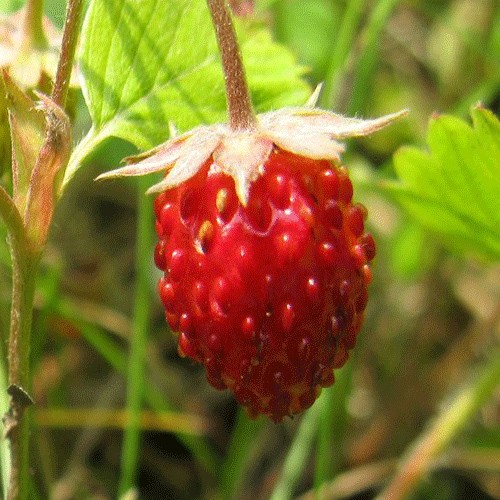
column 453, row 189
column 147, row 64
column 10, row 5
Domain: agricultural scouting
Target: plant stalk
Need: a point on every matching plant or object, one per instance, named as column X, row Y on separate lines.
column 239, row 104
column 69, row 42
column 16, row 423
column 25, row 256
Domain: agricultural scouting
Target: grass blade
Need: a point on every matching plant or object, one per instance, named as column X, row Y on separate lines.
column 343, row 43
column 238, row 454
column 138, row 341
column 156, row 400
column 298, row 454
column 367, row 62
column 332, row 425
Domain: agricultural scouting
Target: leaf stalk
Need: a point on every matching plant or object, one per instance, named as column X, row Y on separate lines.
column 68, row 47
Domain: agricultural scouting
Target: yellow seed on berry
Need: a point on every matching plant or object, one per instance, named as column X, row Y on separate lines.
column 205, row 235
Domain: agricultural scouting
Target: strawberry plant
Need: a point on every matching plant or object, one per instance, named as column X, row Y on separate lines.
column 341, row 283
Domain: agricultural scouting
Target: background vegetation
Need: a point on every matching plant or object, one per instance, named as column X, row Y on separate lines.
column 116, row 407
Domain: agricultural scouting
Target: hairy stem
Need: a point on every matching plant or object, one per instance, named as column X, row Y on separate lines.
column 239, row 104
column 16, row 426
column 25, row 257
column 68, row 46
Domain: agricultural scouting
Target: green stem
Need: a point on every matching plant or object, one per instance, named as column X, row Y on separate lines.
column 4, row 407
column 24, row 265
column 418, row 460
column 239, row 104
column 138, row 341
column 16, row 421
column 25, row 261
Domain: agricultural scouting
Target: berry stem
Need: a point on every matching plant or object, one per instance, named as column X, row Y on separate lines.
column 240, row 110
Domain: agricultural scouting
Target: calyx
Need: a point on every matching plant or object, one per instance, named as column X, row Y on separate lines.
column 310, row 132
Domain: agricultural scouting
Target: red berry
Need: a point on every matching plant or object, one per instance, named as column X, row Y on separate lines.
column 265, row 256
column 269, row 296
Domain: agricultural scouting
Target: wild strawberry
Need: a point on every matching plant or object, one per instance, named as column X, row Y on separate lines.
column 265, row 256
column 269, row 296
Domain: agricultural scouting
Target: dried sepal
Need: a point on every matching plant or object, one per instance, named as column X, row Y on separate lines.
column 47, row 172
column 241, row 154
column 314, row 133
column 314, row 97
column 165, row 156
column 194, row 153
column 312, row 121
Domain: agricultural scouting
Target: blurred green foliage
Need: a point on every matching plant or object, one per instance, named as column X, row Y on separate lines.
column 453, row 190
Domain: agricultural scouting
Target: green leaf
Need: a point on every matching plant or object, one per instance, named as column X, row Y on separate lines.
column 10, row 5
column 147, row 64
column 410, row 252
column 454, row 188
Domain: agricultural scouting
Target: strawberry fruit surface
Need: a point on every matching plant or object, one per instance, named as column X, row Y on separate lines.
column 265, row 255
column 270, row 295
